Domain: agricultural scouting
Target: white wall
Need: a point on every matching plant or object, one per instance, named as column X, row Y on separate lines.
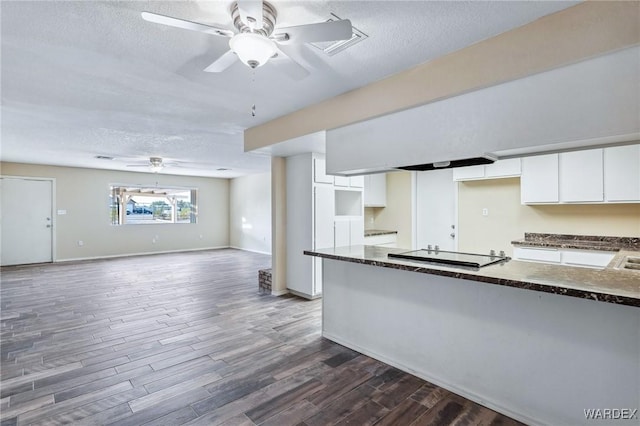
column 84, row 194
column 250, row 213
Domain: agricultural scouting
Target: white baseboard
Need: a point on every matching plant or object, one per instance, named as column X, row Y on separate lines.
column 252, row 251
column 114, row 256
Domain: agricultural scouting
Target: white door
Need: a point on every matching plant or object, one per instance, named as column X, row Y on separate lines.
column 436, row 209
column 26, row 221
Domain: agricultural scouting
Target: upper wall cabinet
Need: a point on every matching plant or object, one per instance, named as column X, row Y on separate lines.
column 499, row 169
column 609, row 175
column 350, row 182
column 622, row 173
column 375, row 190
column 539, row 182
column 581, row 176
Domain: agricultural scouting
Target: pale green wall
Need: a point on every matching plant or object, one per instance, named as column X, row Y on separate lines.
column 84, row 194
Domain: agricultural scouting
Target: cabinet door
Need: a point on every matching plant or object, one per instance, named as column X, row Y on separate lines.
column 581, row 176
column 375, row 190
column 539, row 182
column 342, row 234
column 356, row 181
column 589, row 259
column 537, row 254
column 323, row 216
column 319, row 171
column 622, row 173
column 503, row 168
column 341, row 181
column 468, row 173
column 356, row 231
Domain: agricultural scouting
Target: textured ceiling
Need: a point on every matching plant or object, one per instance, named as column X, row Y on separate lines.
column 87, row 78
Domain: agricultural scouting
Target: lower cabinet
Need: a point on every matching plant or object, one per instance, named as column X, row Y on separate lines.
column 569, row 257
column 348, row 231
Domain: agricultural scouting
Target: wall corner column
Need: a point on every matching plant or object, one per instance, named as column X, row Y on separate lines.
column 278, row 226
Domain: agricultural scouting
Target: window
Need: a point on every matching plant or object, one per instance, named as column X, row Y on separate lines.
column 139, row 205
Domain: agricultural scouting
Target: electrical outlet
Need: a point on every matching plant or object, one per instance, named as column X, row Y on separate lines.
column 485, row 212
column 80, row 243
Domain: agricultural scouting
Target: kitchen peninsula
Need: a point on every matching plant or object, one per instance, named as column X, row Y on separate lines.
column 506, row 335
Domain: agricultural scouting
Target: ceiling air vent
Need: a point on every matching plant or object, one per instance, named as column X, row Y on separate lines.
column 222, row 169
column 103, row 157
column 330, row 48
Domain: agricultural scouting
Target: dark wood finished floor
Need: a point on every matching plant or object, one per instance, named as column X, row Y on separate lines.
column 186, row 339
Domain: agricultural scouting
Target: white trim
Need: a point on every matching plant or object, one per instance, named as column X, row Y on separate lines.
column 251, row 250
column 279, row 293
column 457, row 390
column 112, row 256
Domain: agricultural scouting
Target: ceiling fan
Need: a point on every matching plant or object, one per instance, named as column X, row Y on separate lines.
column 155, row 164
column 257, row 38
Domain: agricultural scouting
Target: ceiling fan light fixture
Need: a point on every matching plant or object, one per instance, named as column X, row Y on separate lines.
column 155, row 164
column 254, row 50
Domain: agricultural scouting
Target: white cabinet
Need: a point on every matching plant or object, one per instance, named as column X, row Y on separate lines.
column 323, row 216
column 622, row 173
column 581, row 176
column 356, row 181
column 375, row 190
column 609, row 175
column 313, row 201
column 341, row 181
column 349, row 231
column 586, row 258
column 503, row 168
column 342, row 229
column 468, row 173
column 570, row 257
column 500, row 169
column 539, row 182
column 349, row 182
column 356, row 231
column 310, row 210
column 319, row 171
column 535, row 254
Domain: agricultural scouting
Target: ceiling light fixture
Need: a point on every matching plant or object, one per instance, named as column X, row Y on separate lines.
column 254, row 50
column 156, row 164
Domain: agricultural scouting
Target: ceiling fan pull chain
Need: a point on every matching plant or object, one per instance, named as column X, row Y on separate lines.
column 253, row 92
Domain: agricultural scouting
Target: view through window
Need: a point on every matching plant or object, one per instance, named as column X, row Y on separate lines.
column 139, row 205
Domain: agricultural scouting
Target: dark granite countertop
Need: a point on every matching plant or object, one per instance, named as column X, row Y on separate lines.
column 580, row 242
column 609, row 285
column 373, row 232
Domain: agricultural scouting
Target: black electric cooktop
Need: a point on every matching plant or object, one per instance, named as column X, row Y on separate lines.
column 450, row 257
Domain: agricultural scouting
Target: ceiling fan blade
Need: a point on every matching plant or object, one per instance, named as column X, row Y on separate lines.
column 223, row 62
column 289, row 66
column 186, row 25
column 251, row 13
column 323, row 31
